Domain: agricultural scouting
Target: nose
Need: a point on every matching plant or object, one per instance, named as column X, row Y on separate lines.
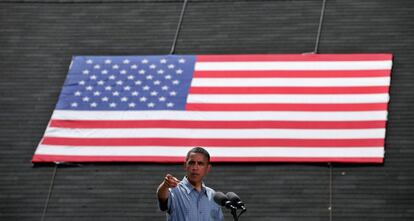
column 195, row 167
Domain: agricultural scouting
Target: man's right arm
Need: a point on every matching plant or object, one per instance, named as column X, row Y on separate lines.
column 163, row 191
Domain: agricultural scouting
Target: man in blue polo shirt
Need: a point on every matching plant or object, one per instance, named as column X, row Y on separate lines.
column 190, row 199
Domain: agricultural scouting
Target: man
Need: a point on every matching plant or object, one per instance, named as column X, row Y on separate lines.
column 190, row 199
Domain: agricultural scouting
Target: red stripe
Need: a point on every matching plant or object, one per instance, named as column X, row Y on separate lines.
column 299, row 159
column 291, row 74
column 217, row 124
column 42, row 158
column 286, row 107
column 294, row 57
column 213, row 142
column 289, row 90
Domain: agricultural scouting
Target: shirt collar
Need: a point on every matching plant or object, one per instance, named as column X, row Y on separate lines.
column 189, row 187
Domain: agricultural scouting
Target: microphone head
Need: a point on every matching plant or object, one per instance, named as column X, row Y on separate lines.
column 233, row 197
column 220, row 198
column 236, row 201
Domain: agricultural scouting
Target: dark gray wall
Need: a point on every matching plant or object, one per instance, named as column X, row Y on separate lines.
column 37, row 41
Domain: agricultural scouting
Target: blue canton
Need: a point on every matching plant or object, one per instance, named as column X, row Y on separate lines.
column 127, row 83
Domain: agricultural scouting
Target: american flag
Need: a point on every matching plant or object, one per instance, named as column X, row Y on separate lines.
column 241, row 108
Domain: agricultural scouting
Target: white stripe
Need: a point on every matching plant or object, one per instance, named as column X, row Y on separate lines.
column 290, row 82
column 217, row 133
column 220, row 115
column 290, row 65
column 291, row 99
column 217, row 152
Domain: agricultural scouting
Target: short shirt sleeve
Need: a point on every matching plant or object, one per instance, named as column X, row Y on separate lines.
column 170, row 204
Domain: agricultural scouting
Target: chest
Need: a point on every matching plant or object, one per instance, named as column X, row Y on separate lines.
column 197, row 206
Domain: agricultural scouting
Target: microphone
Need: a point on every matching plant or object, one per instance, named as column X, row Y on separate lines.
column 222, row 200
column 235, row 200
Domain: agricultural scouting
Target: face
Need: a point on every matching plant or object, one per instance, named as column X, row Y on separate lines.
column 196, row 167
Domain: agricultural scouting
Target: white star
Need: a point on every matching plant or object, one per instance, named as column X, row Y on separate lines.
column 149, row 77
column 89, row 88
column 78, row 93
column 163, row 61
column 104, row 72
column 153, row 66
column 86, row 99
column 164, row 88
column 93, row 77
column 74, row 104
column 146, row 88
column 105, row 99
column 157, row 82
column 181, row 60
column 97, row 66
column 127, row 88
column 119, row 82
column 142, row 71
column 162, row 99
column 134, row 66
column 85, row 72
column 108, row 88
column 135, row 93
column 112, row 77
column 143, row 99
column 89, row 61
column 126, row 61
column 94, row 104
column 145, row 61
column 123, row 72
column 101, row 82
column 151, row 104
column 176, row 82
column 115, row 66
column 138, row 82
column 131, row 77
column 170, row 104
column 171, row 66
column 168, row 77
column 160, row 71
column 115, row 93
column 179, row 71
column 154, row 93
column 124, row 99
column 173, row 93
column 96, row 93
column 131, row 104
column 112, row 104
column 107, row 61
column 81, row 82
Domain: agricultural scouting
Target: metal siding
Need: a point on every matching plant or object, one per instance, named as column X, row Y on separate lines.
column 38, row 40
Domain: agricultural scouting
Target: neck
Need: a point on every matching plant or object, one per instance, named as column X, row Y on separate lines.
column 198, row 186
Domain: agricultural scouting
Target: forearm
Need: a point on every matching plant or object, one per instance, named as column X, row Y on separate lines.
column 163, row 192
column 162, row 195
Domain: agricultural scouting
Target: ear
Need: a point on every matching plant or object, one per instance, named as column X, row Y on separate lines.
column 209, row 167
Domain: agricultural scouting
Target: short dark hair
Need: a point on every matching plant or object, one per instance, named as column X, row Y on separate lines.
column 198, row 150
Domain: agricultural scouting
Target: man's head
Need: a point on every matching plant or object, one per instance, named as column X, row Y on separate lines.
column 197, row 165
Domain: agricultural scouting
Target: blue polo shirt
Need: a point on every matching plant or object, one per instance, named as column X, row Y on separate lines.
column 185, row 203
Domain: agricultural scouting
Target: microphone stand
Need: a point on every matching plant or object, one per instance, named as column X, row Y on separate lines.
column 234, row 213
